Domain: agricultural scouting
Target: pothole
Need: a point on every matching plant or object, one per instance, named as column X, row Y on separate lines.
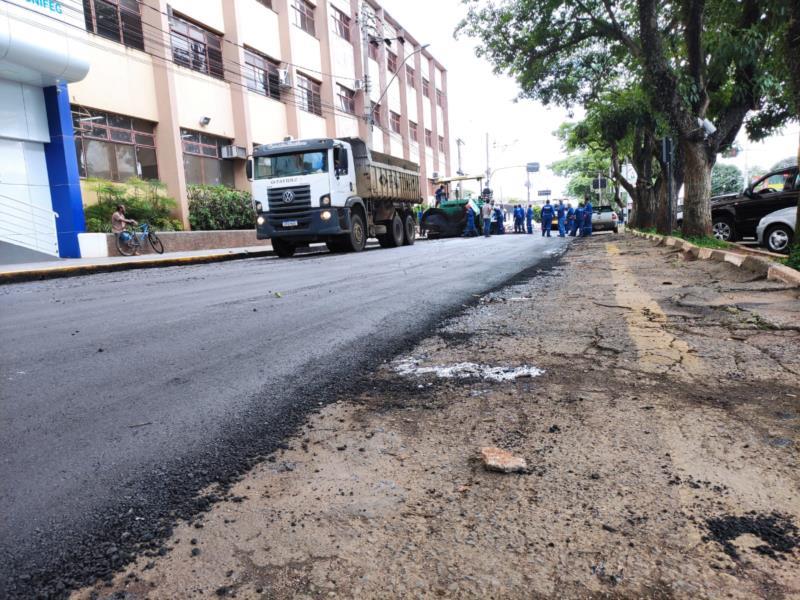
column 412, row 367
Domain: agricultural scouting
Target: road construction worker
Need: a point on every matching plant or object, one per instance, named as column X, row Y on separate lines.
column 440, row 195
column 547, row 218
column 529, row 218
column 500, row 216
column 470, row 230
column 570, row 219
column 486, row 215
column 561, row 215
column 587, row 218
column 578, row 227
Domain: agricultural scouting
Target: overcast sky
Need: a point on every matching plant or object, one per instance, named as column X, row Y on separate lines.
column 520, row 132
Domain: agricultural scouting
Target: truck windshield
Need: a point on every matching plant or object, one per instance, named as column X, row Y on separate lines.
column 291, row 165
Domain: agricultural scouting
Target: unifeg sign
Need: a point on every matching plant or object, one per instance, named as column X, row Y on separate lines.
column 52, row 5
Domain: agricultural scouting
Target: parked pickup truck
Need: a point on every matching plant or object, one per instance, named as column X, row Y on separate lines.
column 734, row 217
column 335, row 191
column 604, row 219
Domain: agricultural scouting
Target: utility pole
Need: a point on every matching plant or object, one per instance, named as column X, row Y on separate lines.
column 528, row 173
column 365, row 18
column 488, row 170
column 460, row 172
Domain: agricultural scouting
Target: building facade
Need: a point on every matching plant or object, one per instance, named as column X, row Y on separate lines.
column 182, row 90
column 42, row 49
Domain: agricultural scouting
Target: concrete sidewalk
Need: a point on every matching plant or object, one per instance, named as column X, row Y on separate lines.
column 71, row 267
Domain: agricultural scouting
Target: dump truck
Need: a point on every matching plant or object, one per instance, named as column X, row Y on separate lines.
column 335, row 191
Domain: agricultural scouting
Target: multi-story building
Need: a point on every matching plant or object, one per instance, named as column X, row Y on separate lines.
column 182, row 90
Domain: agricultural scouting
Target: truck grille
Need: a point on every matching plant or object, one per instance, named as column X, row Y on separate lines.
column 298, row 207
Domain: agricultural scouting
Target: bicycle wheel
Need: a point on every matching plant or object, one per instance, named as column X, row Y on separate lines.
column 126, row 247
column 155, row 242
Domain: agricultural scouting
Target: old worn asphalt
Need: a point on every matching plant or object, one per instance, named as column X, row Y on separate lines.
column 124, row 394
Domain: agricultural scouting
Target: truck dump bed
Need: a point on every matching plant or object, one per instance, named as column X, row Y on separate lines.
column 383, row 177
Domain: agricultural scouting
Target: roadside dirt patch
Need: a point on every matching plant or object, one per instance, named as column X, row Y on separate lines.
column 660, row 432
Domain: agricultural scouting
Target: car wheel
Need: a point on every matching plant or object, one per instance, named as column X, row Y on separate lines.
column 778, row 238
column 722, row 229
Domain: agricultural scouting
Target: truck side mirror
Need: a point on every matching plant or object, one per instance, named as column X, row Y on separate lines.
column 249, row 169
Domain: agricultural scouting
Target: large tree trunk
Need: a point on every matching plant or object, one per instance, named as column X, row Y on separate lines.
column 645, row 206
column 697, row 189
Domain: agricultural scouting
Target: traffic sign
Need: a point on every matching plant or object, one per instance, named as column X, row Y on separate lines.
column 532, row 167
column 547, row 193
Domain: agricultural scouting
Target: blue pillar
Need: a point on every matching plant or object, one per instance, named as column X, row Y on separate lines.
column 62, row 170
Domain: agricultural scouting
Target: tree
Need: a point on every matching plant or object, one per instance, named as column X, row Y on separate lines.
column 726, row 179
column 696, row 59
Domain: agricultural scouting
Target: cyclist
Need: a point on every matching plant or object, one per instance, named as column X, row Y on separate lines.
column 119, row 223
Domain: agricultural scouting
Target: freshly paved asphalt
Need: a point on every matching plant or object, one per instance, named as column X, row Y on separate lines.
column 107, row 380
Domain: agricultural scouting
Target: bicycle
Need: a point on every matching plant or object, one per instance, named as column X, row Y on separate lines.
column 130, row 241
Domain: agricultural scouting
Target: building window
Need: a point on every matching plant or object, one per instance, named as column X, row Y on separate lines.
column 394, row 122
column 411, row 77
column 374, row 51
column 376, row 115
column 413, row 131
column 114, row 147
column 261, row 75
column 441, row 144
column 202, row 159
column 196, row 48
column 440, row 98
column 429, row 138
column 391, row 60
column 310, row 96
column 267, row 3
column 426, row 88
column 304, row 16
column 346, row 99
column 341, row 24
column 118, row 20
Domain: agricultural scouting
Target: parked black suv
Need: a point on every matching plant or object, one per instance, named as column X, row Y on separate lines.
column 737, row 216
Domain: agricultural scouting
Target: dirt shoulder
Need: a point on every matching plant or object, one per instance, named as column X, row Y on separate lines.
column 662, row 437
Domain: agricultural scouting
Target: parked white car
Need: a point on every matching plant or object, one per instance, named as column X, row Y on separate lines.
column 776, row 230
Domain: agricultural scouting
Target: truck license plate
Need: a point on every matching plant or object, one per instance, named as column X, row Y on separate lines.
column 290, row 223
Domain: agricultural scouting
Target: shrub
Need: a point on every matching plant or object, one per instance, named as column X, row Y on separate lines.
column 217, row 208
column 145, row 201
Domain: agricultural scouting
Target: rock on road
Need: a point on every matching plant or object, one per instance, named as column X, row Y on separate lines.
column 112, row 384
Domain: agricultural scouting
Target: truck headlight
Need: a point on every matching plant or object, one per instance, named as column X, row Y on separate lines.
column 260, row 220
column 325, row 215
column 325, row 201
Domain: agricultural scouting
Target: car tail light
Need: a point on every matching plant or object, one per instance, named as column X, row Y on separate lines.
column 614, row 216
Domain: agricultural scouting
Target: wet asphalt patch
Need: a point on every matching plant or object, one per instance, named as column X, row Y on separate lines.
column 140, row 522
column 778, row 532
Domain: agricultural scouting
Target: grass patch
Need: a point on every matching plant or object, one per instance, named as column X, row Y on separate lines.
column 793, row 260
column 706, row 242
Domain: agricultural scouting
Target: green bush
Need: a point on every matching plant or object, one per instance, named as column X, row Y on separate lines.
column 214, row 208
column 145, row 201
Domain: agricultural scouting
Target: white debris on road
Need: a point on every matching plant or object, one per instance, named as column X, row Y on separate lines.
column 464, row 370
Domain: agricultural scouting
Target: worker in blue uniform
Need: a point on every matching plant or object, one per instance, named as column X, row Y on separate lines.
column 547, row 218
column 587, row 218
column 519, row 217
column 577, row 225
column 561, row 215
column 529, row 218
column 500, row 216
column 570, row 218
column 470, row 230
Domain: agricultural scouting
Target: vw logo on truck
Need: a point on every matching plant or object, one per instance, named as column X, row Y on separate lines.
column 288, row 197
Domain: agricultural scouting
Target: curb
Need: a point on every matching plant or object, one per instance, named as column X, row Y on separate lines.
column 752, row 260
column 78, row 270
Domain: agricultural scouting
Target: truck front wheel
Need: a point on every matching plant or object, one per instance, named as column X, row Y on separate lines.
column 283, row 248
column 358, row 233
column 410, row 230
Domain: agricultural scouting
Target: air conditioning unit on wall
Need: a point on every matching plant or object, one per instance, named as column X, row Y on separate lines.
column 358, row 85
column 234, row 152
column 284, row 78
